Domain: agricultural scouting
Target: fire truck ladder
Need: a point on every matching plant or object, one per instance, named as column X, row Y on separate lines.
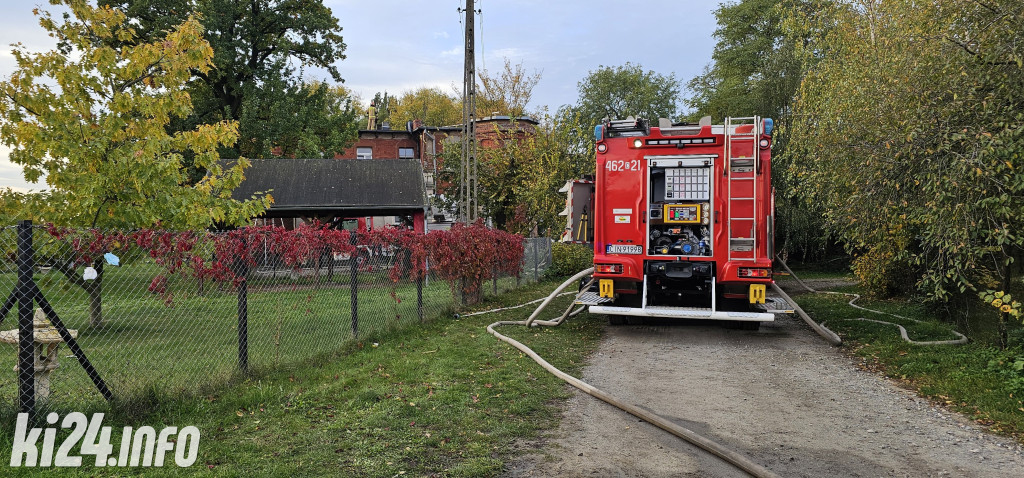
column 741, row 191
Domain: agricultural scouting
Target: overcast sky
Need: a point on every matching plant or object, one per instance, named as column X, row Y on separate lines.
column 400, row 45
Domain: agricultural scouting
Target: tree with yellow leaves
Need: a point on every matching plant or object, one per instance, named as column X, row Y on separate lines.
column 909, row 134
column 93, row 119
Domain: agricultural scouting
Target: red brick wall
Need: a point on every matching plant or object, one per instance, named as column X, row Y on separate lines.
column 487, row 131
column 385, row 144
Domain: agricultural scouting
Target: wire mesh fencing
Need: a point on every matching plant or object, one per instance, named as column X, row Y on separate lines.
column 123, row 315
column 536, row 257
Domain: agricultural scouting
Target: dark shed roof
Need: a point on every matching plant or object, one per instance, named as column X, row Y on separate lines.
column 332, row 186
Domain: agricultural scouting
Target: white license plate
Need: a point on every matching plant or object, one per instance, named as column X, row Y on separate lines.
column 623, row 249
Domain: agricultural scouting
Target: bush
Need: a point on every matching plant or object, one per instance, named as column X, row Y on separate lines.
column 465, row 256
column 568, row 259
column 884, row 272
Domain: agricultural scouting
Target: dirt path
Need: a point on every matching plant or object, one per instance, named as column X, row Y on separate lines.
column 782, row 396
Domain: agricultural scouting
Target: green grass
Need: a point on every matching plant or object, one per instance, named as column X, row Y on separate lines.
column 977, row 378
column 148, row 344
column 444, row 398
column 190, row 343
column 817, row 273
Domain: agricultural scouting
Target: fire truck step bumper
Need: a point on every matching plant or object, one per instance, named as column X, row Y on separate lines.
column 683, row 313
column 775, row 305
column 591, row 298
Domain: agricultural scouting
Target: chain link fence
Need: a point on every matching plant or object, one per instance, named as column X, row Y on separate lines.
column 143, row 320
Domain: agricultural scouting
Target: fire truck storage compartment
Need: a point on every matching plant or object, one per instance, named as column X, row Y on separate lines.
column 679, row 205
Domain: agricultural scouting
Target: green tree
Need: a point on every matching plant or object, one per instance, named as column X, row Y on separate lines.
column 508, row 93
column 508, row 153
column 255, row 44
column 763, row 50
column 758, row 61
column 564, row 149
column 909, row 134
column 521, row 172
column 616, row 92
column 500, row 180
column 93, row 119
column 308, row 120
column 432, row 106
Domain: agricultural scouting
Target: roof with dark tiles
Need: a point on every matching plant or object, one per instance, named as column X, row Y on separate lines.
column 331, row 186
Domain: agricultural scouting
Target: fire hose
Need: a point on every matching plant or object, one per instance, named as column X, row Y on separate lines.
column 690, row 436
column 833, row 338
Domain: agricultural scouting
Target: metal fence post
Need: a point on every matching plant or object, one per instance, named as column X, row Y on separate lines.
column 26, row 359
column 242, row 268
column 353, row 265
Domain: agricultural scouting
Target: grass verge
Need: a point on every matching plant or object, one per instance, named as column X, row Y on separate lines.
column 444, row 399
column 976, row 379
column 147, row 343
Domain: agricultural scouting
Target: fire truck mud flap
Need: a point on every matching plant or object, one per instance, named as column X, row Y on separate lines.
column 683, row 313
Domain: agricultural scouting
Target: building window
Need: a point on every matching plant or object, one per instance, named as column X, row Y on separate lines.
column 405, row 153
column 364, row 153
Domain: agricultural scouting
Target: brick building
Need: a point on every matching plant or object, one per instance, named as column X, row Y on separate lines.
column 493, row 131
column 426, row 143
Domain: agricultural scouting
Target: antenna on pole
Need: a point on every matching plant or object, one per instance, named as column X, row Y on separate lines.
column 468, row 191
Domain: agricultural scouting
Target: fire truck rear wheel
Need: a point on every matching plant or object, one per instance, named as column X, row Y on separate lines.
column 585, row 280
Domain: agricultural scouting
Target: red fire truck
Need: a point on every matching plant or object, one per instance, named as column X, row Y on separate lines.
column 682, row 220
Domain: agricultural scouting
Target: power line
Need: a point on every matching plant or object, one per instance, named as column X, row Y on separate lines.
column 483, row 51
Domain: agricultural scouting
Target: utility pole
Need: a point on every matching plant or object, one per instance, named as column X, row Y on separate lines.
column 468, row 192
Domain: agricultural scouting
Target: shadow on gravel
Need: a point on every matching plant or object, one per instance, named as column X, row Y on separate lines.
column 711, row 328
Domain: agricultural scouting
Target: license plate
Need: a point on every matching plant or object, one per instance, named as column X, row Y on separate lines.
column 623, row 249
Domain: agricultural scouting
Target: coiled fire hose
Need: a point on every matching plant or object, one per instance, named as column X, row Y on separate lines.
column 833, row 338
column 700, row 441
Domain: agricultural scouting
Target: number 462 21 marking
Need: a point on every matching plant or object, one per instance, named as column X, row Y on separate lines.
column 622, row 165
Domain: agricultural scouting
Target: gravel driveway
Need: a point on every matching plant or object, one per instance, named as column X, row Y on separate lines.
column 781, row 395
